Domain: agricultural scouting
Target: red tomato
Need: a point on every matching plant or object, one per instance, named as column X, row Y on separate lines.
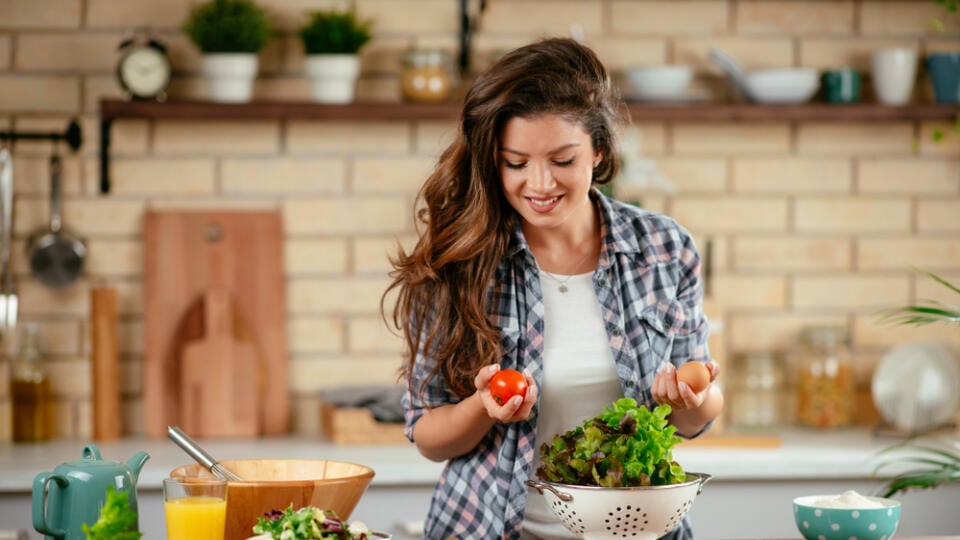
column 507, row 383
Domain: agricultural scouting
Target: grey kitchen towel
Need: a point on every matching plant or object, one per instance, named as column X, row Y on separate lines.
column 383, row 401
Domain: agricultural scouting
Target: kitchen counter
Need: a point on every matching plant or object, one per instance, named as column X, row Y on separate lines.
column 749, row 496
column 799, row 455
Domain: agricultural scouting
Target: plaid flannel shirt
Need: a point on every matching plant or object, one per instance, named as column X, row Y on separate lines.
column 648, row 284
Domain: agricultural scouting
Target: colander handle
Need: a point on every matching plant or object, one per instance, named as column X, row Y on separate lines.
column 704, row 478
column 540, row 486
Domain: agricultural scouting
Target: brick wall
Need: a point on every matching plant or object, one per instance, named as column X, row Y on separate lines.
column 809, row 222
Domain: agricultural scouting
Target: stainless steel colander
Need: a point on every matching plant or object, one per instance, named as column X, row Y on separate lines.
column 602, row 513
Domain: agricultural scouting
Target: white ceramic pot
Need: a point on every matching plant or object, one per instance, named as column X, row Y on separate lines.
column 333, row 77
column 894, row 75
column 230, row 76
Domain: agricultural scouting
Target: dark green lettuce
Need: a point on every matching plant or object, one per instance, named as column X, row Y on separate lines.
column 624, row 446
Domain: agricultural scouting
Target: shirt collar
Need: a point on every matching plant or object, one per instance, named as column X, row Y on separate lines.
column 619, row 234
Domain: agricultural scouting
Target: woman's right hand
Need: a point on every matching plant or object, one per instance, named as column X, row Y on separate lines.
column 515, row 409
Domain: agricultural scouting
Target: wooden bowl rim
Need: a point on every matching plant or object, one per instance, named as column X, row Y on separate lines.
column 367, row 473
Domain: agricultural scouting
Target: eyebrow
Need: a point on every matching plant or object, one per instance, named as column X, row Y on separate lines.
column 554, row 151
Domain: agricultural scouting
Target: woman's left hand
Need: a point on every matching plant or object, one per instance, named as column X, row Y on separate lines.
column 668, row 390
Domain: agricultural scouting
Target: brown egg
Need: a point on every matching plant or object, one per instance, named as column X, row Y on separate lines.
column 695, row 374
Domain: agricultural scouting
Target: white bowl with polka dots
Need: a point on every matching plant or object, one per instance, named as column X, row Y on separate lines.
column 824, row 523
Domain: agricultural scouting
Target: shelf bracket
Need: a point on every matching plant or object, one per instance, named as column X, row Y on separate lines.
column 105, row 124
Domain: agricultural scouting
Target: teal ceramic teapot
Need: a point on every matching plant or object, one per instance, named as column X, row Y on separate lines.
column 75, row 491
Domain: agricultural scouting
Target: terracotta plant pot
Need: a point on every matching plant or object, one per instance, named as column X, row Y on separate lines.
column 274, row 484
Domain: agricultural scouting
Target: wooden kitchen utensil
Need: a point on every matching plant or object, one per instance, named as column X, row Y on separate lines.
column 106, row 363
column 219, row 376
column 186, row 254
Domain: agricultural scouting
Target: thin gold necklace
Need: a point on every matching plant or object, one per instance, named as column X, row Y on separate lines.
column 562, row 283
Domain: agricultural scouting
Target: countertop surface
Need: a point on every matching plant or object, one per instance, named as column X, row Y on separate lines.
column 794, row 455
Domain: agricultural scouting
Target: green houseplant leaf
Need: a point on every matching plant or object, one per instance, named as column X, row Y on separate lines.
column 335, row 32
column 228, row 26
column 925, row 311
column 929, row 464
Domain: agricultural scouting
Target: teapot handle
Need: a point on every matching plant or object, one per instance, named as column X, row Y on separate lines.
column 39, row 503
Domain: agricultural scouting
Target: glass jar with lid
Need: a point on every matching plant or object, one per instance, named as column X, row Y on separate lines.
column 427, row 75
column 757, row 398
column 825, row 386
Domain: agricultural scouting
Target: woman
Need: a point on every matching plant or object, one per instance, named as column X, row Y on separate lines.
column 522, row 264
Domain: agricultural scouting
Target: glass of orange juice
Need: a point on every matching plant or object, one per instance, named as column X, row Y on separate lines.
column 195, row 508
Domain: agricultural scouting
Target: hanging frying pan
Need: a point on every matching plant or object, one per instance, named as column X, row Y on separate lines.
column 56, row 256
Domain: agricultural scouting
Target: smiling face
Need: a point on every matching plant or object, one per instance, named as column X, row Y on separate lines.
column 546, row 166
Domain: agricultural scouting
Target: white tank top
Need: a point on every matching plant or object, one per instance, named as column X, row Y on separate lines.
column 579, row 377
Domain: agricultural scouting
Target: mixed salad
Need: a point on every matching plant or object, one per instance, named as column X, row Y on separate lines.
column 308, row 523
column 624, row 446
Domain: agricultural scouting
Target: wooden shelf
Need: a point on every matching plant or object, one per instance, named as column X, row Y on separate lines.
column 113, row 109
column 640, row 111
column 275, row 110
column 806, row 112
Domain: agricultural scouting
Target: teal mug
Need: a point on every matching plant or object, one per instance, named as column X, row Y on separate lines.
column 841, row 85
column 944, row 71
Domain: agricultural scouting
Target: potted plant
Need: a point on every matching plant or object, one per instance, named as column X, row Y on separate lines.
column 229, row 33
column 929, row 462
column 331, row 40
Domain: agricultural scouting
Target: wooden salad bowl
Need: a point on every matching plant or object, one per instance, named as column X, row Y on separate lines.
column 275, row 484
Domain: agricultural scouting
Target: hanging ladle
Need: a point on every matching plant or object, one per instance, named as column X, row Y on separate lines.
column 191, row 447
column 56, row 255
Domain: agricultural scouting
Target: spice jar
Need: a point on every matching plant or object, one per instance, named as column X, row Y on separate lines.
column 30, row 390
column 825, row 385
column 427, row 75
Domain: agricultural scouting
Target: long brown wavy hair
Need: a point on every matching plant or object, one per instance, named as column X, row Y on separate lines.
column 463, row 219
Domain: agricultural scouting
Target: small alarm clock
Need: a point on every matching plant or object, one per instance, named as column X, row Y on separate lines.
column 144, row 69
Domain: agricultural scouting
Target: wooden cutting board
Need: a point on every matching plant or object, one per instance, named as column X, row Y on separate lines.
column 187, row 253
column 220, row 372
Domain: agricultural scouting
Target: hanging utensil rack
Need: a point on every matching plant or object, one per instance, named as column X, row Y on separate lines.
column 73, row 136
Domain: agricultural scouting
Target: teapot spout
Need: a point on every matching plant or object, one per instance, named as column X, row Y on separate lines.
column 136, row 463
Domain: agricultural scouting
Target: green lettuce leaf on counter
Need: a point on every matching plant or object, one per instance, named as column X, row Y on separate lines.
column 624, row 446
column 117, row 521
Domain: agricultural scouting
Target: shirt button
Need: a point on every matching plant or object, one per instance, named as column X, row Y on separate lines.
column 629, row 384
column 615, row 332
column 603, row 282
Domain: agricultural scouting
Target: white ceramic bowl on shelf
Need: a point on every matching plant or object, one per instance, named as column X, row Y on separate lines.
column 774, row 85
column 783, row 85
column 658, row 83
